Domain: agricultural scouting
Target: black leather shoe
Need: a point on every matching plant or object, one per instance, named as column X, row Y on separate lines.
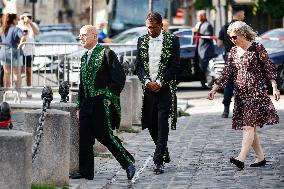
column 166, row 157
column 259, row 164
column 226, row 112
column 238, row 163
column 78, row 175
column 158, row 169
column 130, row 171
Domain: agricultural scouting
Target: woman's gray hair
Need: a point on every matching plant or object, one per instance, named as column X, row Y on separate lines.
column 242, row 29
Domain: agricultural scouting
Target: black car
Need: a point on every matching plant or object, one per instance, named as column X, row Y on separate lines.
column 187, row 50
column 275, row 49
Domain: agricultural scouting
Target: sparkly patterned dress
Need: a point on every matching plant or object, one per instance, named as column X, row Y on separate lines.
column 253, row 106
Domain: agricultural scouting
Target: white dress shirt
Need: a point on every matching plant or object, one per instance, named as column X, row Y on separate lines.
column 155, row 51
column 89, row 52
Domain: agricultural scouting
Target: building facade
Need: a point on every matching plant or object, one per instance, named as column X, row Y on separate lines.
column 76, row 12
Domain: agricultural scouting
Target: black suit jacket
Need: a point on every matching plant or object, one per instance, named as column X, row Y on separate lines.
column 111, row 76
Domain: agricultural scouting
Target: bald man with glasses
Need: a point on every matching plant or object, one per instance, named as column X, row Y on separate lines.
column 101, row 82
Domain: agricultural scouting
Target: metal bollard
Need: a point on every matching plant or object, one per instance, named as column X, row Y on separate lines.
column 47, row 97
column 64, row 91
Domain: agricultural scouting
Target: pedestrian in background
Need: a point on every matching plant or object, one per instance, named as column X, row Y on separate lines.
column 204, row 47
column 224, row 40
column 30, row 30
column 157, row 63
column 101, row 82
column 166, row 25
column 11, row 55
column 249, row 65
column 101, row 26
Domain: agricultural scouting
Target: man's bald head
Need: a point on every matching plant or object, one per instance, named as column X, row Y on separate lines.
column 88, row 36
column 89, row 28
column 201, row 15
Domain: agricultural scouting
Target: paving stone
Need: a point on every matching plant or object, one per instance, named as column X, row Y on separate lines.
column 200, row 149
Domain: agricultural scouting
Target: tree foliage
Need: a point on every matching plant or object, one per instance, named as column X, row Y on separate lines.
column 275, row 8
column 203, row 4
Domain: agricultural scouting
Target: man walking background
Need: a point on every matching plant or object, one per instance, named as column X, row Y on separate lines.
column 205, row 47
column 157, row 62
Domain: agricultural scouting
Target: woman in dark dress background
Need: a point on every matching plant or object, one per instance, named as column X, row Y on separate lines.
column 250, row 67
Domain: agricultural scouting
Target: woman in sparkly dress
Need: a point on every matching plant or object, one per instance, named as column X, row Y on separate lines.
column 250, row 67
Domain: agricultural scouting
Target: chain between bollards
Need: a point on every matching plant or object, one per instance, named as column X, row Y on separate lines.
column 47, row 97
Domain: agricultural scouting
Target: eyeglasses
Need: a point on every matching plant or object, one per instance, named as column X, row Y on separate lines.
column 85, row 35
column 234, row 37
column 22, row 17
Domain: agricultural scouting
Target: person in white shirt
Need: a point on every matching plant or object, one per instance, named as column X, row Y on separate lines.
column 157, row 63
column 30, row 30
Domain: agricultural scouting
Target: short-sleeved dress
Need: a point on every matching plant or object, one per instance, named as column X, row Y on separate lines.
column 253, row 106
column 9, row 52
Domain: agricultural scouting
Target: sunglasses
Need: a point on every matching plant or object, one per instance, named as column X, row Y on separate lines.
column 234, row 37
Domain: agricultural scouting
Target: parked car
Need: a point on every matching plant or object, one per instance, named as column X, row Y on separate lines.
column 51, row 48
column 275, row 49
column 187, row 48
column 131, row 36
column 67, row 27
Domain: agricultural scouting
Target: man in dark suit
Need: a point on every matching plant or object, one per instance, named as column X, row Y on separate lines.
column 157, row 62
column 205, row 47
column 224, row 40
column 101, row 82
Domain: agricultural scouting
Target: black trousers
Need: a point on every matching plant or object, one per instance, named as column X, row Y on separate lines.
column 228, row 92
column 203, row 64
column 95, row 124
column 229, row 88
column 155, row 118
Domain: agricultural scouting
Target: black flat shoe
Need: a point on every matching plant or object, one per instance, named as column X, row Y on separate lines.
column 225, row 115
column 238, row 163
column 259, row 164
column 130, row 171
column 78, row 175
column 158, row 169
column 226, row 112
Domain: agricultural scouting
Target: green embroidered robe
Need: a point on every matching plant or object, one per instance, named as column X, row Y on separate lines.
column 168, row 66
column 102, row 75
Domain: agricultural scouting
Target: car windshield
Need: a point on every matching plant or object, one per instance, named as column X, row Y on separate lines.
column 126, row 38
column 273, row 44
column 132, row 37
column 57, row 38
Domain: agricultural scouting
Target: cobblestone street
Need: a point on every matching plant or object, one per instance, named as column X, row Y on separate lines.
column 200, row 149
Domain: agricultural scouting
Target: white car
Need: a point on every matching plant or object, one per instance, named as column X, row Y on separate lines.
column 51, row 48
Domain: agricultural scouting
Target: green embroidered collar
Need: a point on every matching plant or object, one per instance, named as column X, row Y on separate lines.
column 165, row 55
column 90, row 69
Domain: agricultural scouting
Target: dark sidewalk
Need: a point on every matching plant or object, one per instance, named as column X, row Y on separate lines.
column 200, row 149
